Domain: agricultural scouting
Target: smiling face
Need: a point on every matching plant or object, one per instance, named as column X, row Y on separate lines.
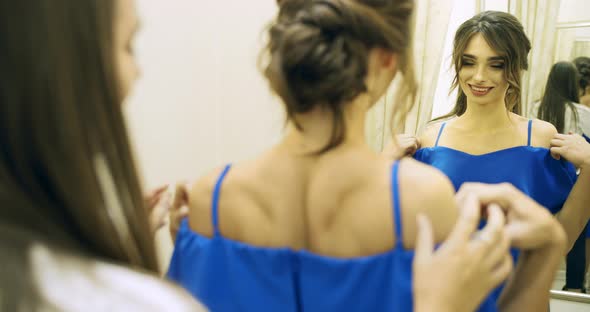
column 482, row 76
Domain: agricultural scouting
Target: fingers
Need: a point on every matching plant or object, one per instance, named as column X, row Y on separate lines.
column 557, row 142
column 491, row 242
column 561, row 136
column 178, row 215
column 503, row 194
column 180, row 195
column 566, row 137
column 175, row 220
column 492, row 233
column 152, row 198
column 501, row 272
column 157, row 191
column 467, row 222
column 558, row 151
column 424, row 240
column 467, row 189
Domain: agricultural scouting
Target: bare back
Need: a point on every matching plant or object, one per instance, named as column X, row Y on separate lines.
column 337, row 204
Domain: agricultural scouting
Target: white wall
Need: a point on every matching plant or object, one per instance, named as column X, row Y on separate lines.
column 201, row 101
column 573, row 11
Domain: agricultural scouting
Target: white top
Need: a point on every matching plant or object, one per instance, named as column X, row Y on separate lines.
column 72, row 283
column 583, row 125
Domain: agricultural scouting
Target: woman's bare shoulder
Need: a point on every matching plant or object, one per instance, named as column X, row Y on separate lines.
column 541, row 133
column 426, row 190
column 428, row 135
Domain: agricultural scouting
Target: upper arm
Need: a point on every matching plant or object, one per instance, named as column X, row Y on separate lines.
column 200, row 203
column 584, row 119
column 542, row 133
column 428, row 136
column 425, row 190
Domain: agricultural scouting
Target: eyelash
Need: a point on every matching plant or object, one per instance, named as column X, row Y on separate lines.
column 496, row 66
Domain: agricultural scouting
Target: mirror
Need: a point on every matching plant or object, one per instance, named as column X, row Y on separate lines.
column 572, row 41
column 558, row 30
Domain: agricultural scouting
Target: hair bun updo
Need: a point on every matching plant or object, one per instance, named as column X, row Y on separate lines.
column 319, row 51
column 583, row 65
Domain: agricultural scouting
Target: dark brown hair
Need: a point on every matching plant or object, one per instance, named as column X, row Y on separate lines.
column 318, row 54
column 66, row 171
column 505, row 34
column 561, row 90
column 583, row 65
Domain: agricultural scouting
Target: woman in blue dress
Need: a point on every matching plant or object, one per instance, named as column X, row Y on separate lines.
column 484, row 139
column 320, row 222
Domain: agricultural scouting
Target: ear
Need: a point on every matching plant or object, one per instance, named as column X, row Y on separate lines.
column 388, row 59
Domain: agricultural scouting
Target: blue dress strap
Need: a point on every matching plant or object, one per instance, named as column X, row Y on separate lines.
column 528, row 143
column 396, row 203
column 215, row 202
column 442, row 127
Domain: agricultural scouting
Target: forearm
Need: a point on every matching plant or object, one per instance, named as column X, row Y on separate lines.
column 528, row 287
column 427, row 304
column 575, row 212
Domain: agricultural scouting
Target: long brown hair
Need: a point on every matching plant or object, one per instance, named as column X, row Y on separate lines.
column 505, row 34
column 67, row 176
column 561, row 90
column 318, row 54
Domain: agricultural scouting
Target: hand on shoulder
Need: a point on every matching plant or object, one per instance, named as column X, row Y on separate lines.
column 542, row 133
column 428, row 136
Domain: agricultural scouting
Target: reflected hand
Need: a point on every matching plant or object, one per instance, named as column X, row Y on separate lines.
column 466, row 267
column 572, row 147
column 405, row 145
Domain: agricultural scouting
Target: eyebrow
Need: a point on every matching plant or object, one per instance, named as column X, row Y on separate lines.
column 493, row 58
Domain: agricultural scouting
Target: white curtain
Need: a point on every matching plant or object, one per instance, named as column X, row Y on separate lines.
column 539, row 19
column 431, row 23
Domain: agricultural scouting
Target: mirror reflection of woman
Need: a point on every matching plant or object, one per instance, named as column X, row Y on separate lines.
column 560, row 107
column 484, row 139
column 560, row 103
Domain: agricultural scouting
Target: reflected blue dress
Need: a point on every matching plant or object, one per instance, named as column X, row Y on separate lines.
column 530, row 169
column 228, row 275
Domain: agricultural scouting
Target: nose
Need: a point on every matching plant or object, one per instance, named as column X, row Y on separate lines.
column 480, row 75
